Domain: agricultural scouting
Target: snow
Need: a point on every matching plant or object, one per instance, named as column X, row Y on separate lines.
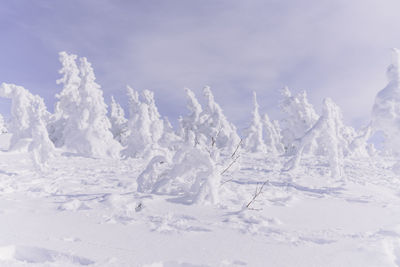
column 86, row 211
column 305, row 191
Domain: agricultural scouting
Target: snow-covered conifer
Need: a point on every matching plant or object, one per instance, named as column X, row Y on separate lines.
column 3, row 127
column 253, row 136
column 272, row 135
column 215, row 126
column 386, row 109
column 358, row 145
column 327, row 129
column 41, row 147
column 169, row 139
column 300, row 116
column 82, row 107
column 119, row 127
column 28, row 122
column 191, row 122
column 138, row 125
column 68, row 98
column 194, row 173
column 156, row 123
column 145, row 125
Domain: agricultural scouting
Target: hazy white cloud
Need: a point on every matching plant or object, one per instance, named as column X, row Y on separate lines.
column 329, row 48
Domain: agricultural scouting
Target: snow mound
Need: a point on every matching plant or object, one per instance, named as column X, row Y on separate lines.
column 173, row 264
column 29, row 254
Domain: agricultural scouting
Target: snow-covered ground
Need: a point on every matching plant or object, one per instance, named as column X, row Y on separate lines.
column 85, row 211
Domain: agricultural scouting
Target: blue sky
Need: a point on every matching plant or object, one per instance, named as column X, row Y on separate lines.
column 336, row 48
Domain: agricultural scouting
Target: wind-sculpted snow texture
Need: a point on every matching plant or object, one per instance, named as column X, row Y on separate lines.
column 305, row 191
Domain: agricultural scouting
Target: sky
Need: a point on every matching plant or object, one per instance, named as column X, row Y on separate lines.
column 338, row 49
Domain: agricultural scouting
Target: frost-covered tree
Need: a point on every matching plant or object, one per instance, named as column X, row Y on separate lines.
column 3, row 127
column 138, row 125
column 83, row 112
column 148, row 178
column 215, row 126
column 209, row 125
column 28, row 122
column 145, row 125
column 119, row 124
column 190, row 123
column 156, row 125
column 358, row 145
column 170, row 139
column 41, row 147
column 253, row 136
column 386, row 110
column 68, row 99
column 272, row 135
column 299, row 117
column 328, row 130
column 193, row 173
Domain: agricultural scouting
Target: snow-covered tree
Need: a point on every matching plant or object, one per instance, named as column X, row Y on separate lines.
column 41, row 147
column 138, row 125
column 83, row 112
column 328, row 130
column 3, row 127
column 69, row 98
column 119, row 124
column 145, row 125
column 300, row 116
column 148, row 178
column 253, row 136
column 272, row 135
column 169, row 139
column 28, row 122
column 215, row 126
column 386, row 110
column 193, row 174
column 156, row 123
column 190, row 123
column 358, row 145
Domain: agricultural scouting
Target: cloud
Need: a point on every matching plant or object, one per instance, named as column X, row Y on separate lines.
column 338, row 49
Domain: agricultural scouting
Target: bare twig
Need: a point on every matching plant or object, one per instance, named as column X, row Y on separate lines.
column 256, row 194
column 230, row 165
column 227, row 181
column 237, row 148
column 235, row 158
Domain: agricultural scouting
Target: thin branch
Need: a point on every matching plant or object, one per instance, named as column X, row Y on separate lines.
column 256, row 194
column 230, row 165
column 237, row 148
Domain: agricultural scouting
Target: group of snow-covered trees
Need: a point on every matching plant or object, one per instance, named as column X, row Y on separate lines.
column 191, row 159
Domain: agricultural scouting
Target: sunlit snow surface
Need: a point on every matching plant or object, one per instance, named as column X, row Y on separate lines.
column 87, row 212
